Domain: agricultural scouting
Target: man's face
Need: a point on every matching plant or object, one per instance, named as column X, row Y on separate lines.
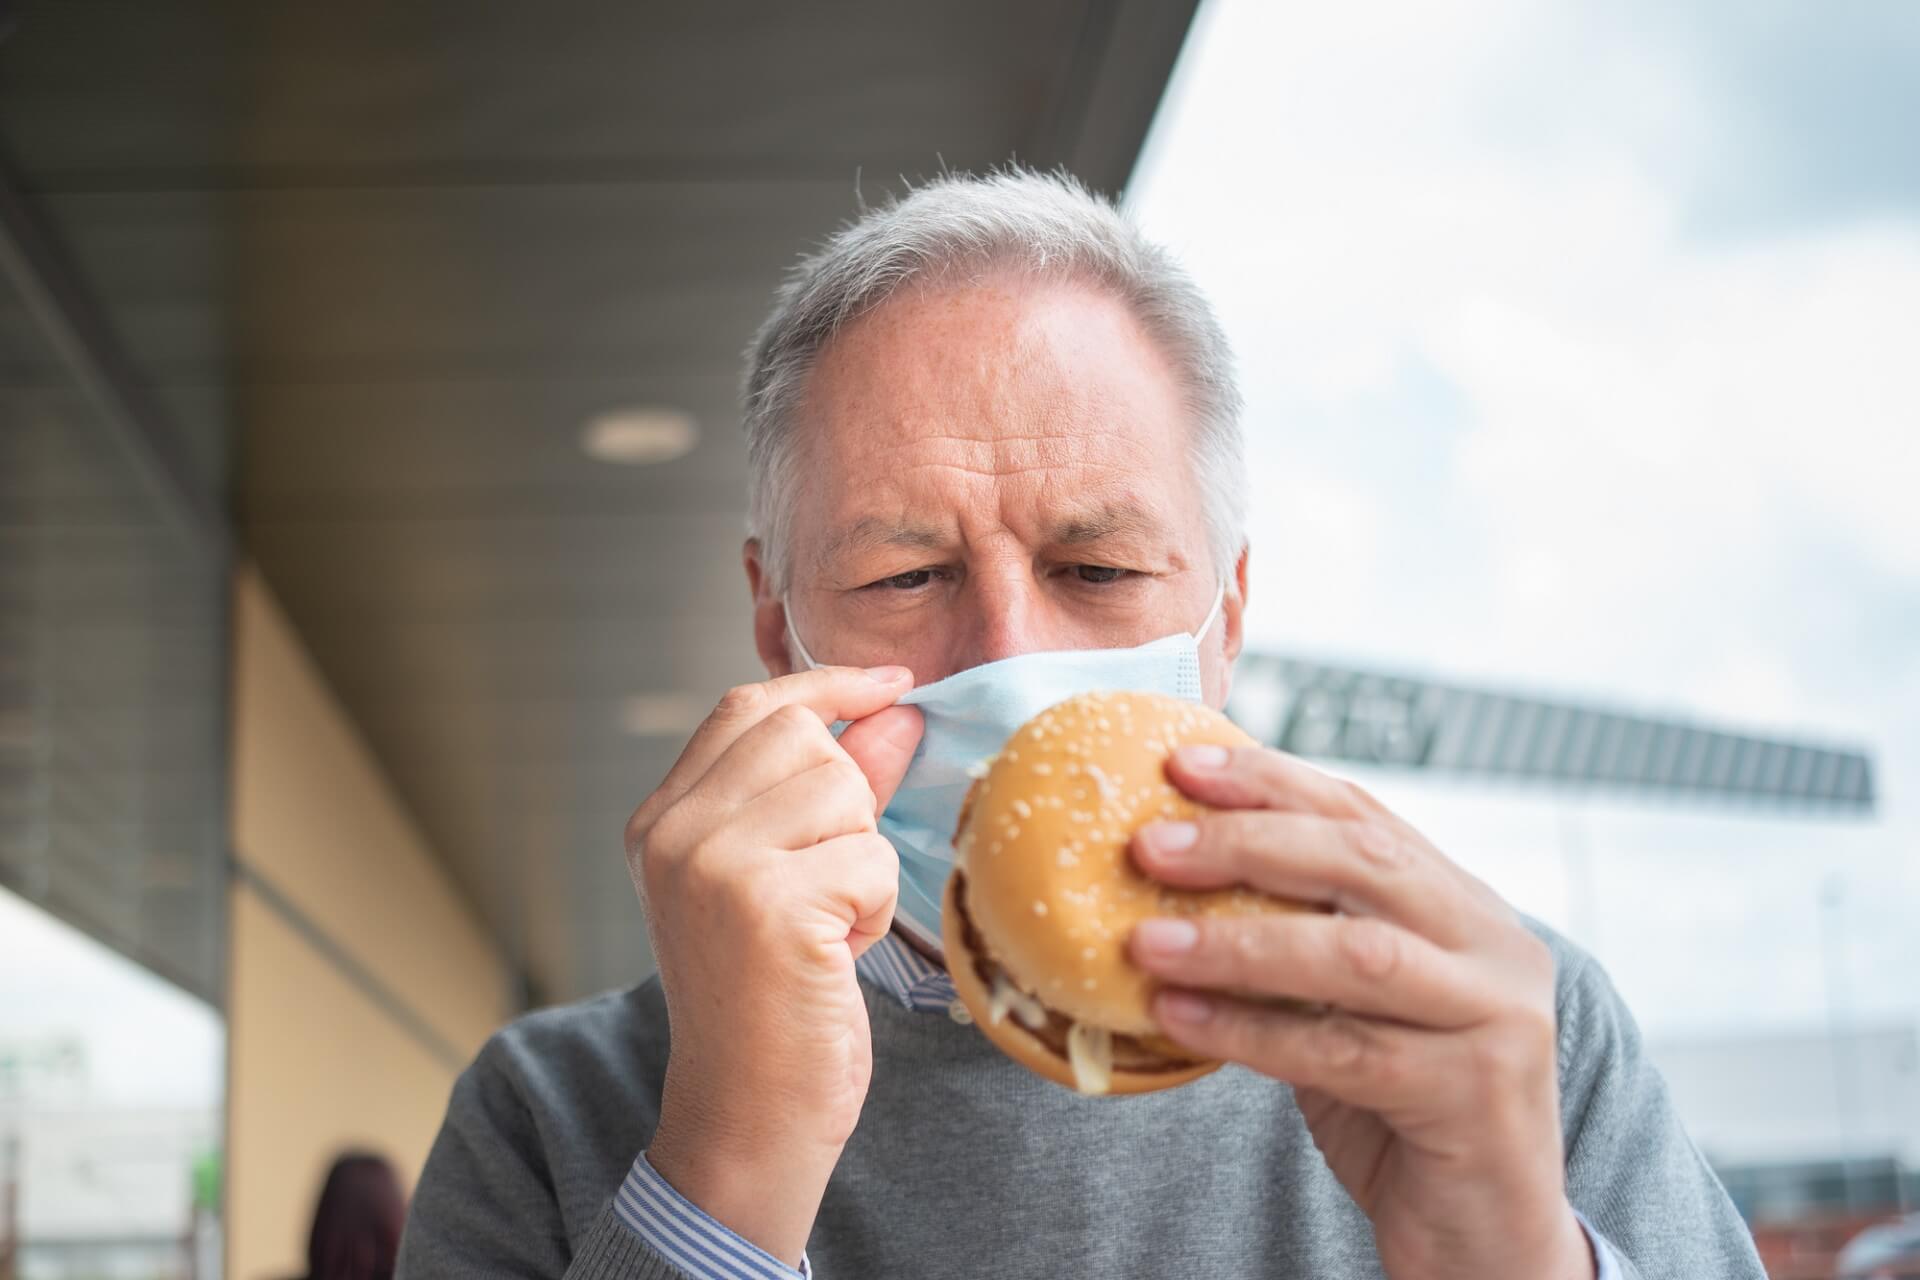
column 992, row 469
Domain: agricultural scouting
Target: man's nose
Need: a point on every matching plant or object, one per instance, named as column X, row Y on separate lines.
column 1010, row 616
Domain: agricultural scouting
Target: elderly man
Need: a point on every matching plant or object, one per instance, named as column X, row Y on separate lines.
column 989, row 425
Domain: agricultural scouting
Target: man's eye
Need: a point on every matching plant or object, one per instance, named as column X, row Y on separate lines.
column 1099, row 574
column 908, row 581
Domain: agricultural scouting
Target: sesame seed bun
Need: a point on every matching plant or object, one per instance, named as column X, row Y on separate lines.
column 1044, row 894
column 1031, row 1048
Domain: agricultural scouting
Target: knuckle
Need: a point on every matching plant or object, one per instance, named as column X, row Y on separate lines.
column 1227, row 834
column 848, row 779
column 661, row 863
column 1372, row 948
column 1378, row 843
column 792, row 718
column 634, row 836
column 652, row 843
column 1340, row 1044
column 1245, row 951
column 1359, row 799
column 840, row 788
column 852, row 813
column 743, row 702
column 876, row 853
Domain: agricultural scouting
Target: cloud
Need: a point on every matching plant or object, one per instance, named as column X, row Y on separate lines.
column 1577, row 347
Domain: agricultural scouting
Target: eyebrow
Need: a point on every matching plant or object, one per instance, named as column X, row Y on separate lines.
column 869, row 533
column 872, row 533
column 1113, row 519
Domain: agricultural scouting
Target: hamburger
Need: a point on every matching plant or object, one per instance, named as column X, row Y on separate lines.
column 1044, row 895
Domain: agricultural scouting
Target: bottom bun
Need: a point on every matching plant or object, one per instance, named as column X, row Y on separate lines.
column 1024, row 1045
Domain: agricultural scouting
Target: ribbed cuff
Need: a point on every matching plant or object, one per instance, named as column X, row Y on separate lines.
column 611, row 1251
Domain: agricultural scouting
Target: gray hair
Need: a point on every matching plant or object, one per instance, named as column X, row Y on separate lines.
column 1044, row 225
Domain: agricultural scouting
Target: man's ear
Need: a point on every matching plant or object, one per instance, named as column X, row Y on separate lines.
column 769, row 614
column 1233, row 610
column 1235, row 606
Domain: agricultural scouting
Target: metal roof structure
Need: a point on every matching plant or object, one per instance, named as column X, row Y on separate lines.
column 1367, row 717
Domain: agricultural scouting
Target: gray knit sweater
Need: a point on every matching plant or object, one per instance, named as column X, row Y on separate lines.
column 966, row 1165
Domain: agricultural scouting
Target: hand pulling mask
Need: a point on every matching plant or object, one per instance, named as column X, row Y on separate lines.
column 969, row 716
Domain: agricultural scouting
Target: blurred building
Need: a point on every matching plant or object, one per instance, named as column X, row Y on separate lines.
column 1816, row 1135
column 99, row 1191
column 110, row 1192
column 1804, row 1121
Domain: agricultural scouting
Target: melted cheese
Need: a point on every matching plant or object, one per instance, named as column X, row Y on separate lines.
column 1090, row 1053
column 1007, row 996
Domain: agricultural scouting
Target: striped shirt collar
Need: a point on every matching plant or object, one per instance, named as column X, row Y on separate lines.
column 920, row 985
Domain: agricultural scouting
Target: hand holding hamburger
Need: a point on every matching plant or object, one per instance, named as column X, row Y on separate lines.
column 1416, row 1025
column 1045, row 896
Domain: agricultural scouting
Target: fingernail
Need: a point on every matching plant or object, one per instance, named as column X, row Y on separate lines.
column 1166, row 937
column 1185, row 1007
column 1171, row 837
column 888, row 675
column 1204, row 756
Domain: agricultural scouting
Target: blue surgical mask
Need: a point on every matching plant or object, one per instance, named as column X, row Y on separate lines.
column 970, row 715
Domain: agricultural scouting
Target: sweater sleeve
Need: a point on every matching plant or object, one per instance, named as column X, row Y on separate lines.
column 1633, row 1174
column 486, row 1206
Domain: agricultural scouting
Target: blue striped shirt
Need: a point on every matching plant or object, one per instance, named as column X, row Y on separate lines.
column 701, row 1246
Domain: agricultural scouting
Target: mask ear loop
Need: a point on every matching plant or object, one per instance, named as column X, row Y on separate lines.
column 1218, row 596
column 799, row 646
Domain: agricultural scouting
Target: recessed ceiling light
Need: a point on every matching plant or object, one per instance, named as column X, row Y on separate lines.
column 654, row 715
column 640, row 435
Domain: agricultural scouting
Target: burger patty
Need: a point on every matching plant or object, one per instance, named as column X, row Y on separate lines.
column 1130, row 1053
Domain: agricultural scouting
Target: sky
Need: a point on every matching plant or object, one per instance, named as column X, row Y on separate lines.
column 147, row 1043
column 1578, row 344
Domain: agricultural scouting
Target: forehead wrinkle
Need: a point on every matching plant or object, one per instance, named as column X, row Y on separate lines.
column 1007, row 454
column 973, row 421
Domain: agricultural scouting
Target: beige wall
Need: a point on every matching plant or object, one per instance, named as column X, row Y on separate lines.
column 318, row 1061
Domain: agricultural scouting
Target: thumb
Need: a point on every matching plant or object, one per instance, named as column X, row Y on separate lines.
column 882, row 744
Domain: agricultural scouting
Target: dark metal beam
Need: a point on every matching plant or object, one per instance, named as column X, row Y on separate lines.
column 1112, row 88
column 74, row 324
column 1363, row 717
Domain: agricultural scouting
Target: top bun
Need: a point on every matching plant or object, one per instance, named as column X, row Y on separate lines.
column 1042, row 845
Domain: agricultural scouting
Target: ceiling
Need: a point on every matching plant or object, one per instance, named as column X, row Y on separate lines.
column 397, row 254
